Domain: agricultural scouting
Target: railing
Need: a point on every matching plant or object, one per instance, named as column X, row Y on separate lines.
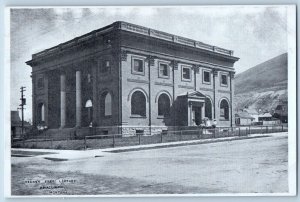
column 118, row 140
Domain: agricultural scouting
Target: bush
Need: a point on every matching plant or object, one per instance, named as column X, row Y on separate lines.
column 58, row 146
column 33, row 146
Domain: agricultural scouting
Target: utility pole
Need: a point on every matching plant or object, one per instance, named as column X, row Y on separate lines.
column 23, row 102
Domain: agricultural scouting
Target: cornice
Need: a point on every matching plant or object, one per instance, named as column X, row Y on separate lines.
column 137, row 29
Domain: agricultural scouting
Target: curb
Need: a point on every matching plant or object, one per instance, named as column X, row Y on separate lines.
column 99, row 152
column 119, row 150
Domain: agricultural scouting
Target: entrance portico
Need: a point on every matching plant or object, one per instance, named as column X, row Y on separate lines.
column 196, row 107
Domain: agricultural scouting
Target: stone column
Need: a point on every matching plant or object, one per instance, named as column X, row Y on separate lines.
column 203, row 111
column 190, row 114
column 62, row 100
column 215, row 74
column 78, row 98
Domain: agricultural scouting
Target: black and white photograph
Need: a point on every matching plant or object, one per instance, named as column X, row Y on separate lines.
column 150, row 101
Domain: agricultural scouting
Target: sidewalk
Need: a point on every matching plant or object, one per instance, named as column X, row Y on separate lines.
column 64, row 155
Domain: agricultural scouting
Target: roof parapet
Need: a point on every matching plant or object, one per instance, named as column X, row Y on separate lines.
column 170, row 37
column 140, row 30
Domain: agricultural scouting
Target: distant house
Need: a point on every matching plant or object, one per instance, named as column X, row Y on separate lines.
column 243, row 118
column 253, row 113
column 281, row 112
column 16, row 125
column 268, row 119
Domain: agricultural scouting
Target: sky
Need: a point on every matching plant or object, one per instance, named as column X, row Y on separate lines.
column 254, row 33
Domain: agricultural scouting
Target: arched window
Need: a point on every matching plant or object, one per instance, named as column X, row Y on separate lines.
column 163, row 105
column 107, row 104
column 41, row 113
column 208, row 108
column 224, row 110
column 138, row 104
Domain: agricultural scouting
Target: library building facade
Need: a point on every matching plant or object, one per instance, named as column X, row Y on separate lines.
column 126, row 78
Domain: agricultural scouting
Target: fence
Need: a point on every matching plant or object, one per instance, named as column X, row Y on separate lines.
column 117, row 140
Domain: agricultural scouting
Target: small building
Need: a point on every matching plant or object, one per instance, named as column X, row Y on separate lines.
column 253, row 113
column 243, row 118
column 16, row 125
column 268, row 119
column 281, row 112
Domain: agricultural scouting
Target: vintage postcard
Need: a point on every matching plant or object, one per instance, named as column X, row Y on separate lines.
column 150, row 101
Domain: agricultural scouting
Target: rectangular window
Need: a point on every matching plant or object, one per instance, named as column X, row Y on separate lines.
column 107, row 63
column 138, row 66
column 206, row 76
column 163, row 70
column 139, row 132
column 105, row 67
column 89, row 78
column 186, row 73
column 224, row 80
column 40, row 83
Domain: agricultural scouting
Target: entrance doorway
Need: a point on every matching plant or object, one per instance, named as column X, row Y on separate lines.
column 196, row 117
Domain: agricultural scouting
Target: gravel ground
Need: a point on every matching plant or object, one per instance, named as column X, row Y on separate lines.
column 244, row 166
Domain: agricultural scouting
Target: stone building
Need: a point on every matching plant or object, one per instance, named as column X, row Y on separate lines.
column 125, row 78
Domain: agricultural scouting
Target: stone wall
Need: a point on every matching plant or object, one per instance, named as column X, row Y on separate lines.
column 145, row 130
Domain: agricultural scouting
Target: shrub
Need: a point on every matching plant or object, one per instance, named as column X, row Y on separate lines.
column 33, row 146
column 58, row 146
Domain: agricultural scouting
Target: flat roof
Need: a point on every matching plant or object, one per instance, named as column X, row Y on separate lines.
column 140, row 30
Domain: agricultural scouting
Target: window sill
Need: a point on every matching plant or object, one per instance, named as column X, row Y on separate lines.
column 186, row 80
column 163, row 77
column 207, row 83
column 224, row 85
column 138, row 116
column 138, row 73
column 163, row 117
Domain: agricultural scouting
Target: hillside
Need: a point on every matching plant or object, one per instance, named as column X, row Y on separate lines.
column 262, row 86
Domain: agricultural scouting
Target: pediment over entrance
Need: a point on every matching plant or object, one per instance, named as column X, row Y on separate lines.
column 193, row 95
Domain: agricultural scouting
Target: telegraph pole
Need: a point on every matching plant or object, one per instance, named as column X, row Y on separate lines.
column 23, row 102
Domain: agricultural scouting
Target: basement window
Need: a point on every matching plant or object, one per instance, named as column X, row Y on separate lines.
column 139, row 132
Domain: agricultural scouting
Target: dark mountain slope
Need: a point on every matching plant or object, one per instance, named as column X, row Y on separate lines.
column 270, row 74
column 264, row 86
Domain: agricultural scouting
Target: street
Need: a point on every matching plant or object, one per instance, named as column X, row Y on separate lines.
column 256, row 165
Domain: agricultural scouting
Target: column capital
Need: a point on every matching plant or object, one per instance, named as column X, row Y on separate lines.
column 232, row 74
column 174, row 64
column 196, row 68
column 215, row 72
column 124, row 54
column 151, row 59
